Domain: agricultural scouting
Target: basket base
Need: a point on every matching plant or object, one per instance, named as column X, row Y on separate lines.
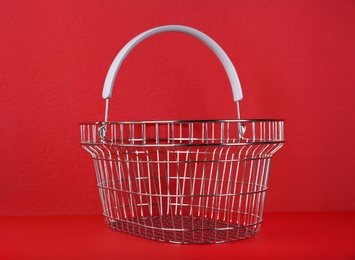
column 183, row 229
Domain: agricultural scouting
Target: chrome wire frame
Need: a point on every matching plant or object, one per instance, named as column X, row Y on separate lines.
column 184, row 181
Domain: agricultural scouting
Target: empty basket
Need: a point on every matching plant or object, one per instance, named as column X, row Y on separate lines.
column 184, row 182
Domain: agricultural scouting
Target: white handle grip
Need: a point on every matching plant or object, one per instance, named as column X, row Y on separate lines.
column 222, row 56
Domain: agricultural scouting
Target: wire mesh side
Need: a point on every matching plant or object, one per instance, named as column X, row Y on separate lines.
column 183, row 194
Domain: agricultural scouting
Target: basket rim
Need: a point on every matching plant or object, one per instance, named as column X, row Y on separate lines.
column 160, row 145
column 182, row 121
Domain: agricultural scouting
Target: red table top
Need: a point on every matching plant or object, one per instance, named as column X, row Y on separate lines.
column 321, row 235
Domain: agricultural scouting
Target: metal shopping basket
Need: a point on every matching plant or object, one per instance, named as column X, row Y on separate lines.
column 201, row 181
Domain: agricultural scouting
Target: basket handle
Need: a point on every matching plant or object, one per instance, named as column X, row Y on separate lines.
column 222, row 56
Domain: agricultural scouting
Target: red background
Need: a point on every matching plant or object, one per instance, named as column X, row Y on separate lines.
column 295, row 60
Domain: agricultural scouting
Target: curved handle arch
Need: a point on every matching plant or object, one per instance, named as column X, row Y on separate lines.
column 218, row 51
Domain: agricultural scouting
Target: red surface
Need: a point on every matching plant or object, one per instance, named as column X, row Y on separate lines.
column 282, row 236
column 295, row 60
